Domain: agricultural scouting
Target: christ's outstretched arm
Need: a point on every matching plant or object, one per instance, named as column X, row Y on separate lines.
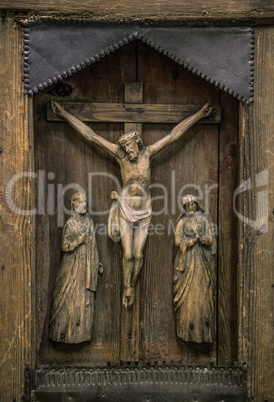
column 179, row 130
column 85, row 130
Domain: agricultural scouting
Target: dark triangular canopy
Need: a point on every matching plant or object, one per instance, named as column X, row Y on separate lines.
column 221, row 55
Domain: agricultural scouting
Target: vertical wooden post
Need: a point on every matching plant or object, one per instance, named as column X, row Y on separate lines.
column 16, row 236
column 257, row 230
column 130, row 318
column 133, row 94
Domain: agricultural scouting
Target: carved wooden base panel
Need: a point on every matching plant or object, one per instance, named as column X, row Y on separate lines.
column 131, row 382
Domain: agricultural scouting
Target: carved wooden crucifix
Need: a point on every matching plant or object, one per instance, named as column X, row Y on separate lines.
column 132, row 208
column 133, row 111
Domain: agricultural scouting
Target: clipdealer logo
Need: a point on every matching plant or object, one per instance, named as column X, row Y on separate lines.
column 51, row 196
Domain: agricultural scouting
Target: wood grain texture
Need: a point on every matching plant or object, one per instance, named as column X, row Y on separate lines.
column 16, row 238
column 244, row 9
column 136, row 96
column 227, row 233
column 257, row 237
column 133, row 112
column 61, row 151
column 189, row 164
column 193, row 161
column 255, row 249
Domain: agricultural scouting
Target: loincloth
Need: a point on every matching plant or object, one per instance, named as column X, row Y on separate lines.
column 135, row 218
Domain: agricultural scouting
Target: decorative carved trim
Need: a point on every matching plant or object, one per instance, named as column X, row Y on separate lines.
column 60, row 377
column 157, row 34
column 165, row 380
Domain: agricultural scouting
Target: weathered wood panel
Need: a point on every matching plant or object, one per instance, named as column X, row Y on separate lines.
column 16, row 237
column 257, row 232
column 227, row 231
column 135, row 92
column 244, row 9
column 256, row 250
column 60, row 151
column 191, row 165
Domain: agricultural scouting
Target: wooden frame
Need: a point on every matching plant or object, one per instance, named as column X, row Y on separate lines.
column 260, row 11
column 256, row 146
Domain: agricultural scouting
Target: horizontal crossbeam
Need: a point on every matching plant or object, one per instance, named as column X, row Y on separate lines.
column 133, row 112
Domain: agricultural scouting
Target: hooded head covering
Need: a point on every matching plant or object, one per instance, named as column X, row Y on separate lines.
column 190, row 198
column 200, row 208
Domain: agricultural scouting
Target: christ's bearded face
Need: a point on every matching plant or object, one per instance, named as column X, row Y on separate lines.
column 132, row 149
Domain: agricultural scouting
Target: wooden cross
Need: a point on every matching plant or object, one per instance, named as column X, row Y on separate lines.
column 133, row 113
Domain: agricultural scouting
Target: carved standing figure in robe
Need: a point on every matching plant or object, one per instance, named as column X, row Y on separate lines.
column 72, row 310
column 131, row 210
column 194, row 281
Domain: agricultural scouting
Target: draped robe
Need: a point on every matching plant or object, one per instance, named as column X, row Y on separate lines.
column 194, row 281
column 72, row 308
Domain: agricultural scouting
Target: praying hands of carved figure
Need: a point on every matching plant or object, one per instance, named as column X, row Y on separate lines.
column 130, row 213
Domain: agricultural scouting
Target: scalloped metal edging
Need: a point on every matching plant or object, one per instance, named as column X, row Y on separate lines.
column 72, row 70
column 204, row 76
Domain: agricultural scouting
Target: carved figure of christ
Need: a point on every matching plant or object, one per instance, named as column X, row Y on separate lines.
column 134, row 202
